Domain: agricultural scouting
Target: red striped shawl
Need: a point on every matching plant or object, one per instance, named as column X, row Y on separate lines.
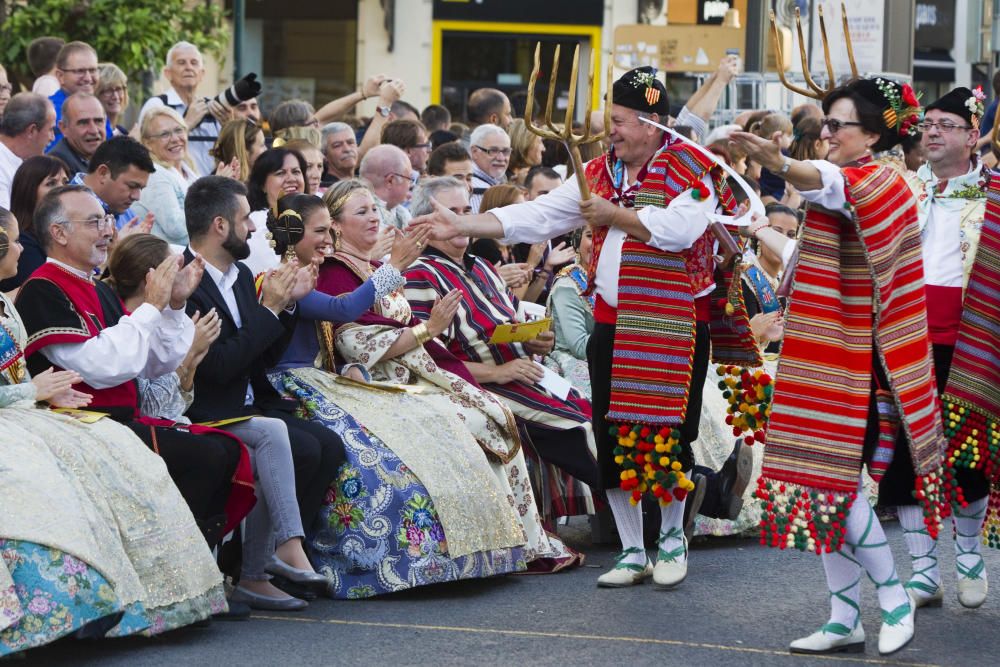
column 816, row 433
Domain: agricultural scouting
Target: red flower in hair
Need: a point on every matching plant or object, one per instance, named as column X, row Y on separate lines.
column 909, row 97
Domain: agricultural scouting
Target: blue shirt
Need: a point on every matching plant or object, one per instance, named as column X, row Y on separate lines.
column 57, row 98
column 121, row 219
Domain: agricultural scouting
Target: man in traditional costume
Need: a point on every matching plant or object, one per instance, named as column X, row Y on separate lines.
column 77, row 323
column 855, row 384
column 653, row 273
column 960, row 269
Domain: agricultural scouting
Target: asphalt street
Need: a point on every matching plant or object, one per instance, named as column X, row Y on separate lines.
column 740, row 605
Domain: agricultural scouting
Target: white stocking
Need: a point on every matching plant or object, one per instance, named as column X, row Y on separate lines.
column 926, row 577
column 672, row 544
column 628, row 518
column 968, row 539
column 871, row 549
column 843, row 578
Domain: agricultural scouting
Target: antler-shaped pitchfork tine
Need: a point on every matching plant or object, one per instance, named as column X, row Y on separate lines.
column 847, row 39
column 552, row 91
column 566, row 135
column 779, row 61
column 816, row 91
column 820, row 92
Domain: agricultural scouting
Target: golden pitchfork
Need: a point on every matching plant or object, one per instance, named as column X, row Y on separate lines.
column 814, row 91
column 565, row 133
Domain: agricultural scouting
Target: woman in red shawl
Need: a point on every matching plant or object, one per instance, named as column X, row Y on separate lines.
column 855, row 380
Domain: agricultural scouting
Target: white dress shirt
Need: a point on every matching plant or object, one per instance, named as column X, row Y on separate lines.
column 148, row 343
column 9, row 163
column 674, row 228
column 940, row 219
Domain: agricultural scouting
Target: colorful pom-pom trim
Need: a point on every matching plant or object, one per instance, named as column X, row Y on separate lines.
column 649, row 460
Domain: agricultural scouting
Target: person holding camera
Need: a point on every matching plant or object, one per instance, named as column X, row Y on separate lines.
column 204, row 116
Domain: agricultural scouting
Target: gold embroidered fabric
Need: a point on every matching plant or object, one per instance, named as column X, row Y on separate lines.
column 476, row 511
column 447, row 395
column 97, row 492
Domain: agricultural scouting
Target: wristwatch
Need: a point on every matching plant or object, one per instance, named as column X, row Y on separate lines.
column 785, row 166
column 383, row 111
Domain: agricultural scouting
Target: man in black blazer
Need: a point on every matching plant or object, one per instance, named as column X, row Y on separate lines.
column 254, row 333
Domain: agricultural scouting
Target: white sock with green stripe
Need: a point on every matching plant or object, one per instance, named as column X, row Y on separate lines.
column 843, row 578
column 968, row 539
column 628, row 518
column 673, row 546
column 925, row 579
column 871, row 549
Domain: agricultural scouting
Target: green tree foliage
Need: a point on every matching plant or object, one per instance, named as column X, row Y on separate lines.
column 133, row 34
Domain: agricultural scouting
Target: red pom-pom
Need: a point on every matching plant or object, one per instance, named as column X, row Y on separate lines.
column 748, row 440
column 644, row 433
column 623, row 430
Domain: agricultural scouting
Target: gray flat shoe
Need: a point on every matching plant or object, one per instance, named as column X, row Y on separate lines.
column 265, row 602
column 311, row 580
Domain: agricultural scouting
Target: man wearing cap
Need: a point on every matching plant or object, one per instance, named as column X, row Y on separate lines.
column 951, row 202
column 652, row 271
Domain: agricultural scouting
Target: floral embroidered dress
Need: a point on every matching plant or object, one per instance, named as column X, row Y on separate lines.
column 445, row 394
column 394, row 519
column 93, row 532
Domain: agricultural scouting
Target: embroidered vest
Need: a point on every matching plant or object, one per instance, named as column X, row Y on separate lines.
column 87, row 302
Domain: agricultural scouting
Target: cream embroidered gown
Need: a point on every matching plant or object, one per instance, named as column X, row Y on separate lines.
column 91, row 524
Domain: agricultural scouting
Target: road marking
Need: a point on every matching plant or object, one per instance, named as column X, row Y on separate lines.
column 606, row 638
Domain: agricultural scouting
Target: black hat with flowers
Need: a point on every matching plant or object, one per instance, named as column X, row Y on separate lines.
column 965, row 103
column 639, row 89
column 888, row 108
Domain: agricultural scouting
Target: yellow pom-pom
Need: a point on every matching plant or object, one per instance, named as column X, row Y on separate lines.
column 619, row 460
column 664, row 461
column 676, row 465
column 623, row 475
column 729, row 309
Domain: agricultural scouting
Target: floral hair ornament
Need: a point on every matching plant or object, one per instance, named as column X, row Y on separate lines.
column 904, row 110
column 647, row 79
column 976, row 106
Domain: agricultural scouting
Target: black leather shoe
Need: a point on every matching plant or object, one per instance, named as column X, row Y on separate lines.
column 734, row 477
column 238, row 611
column 693, row 504
column 295, row 590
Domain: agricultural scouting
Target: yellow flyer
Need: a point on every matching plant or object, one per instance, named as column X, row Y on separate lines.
column 519, row 332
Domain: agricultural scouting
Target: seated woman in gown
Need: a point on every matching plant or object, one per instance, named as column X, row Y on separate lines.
column 418, row 503
column 122, row 553
column 400, row 350
column 555, row 430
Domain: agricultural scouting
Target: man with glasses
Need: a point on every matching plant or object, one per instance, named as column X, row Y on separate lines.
column 77, row 72
column 84, row 125
column 77, row 323
column 951, row 202
column 387, row 168
column 489, row 147
column 117, row 174
column 410, row 136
